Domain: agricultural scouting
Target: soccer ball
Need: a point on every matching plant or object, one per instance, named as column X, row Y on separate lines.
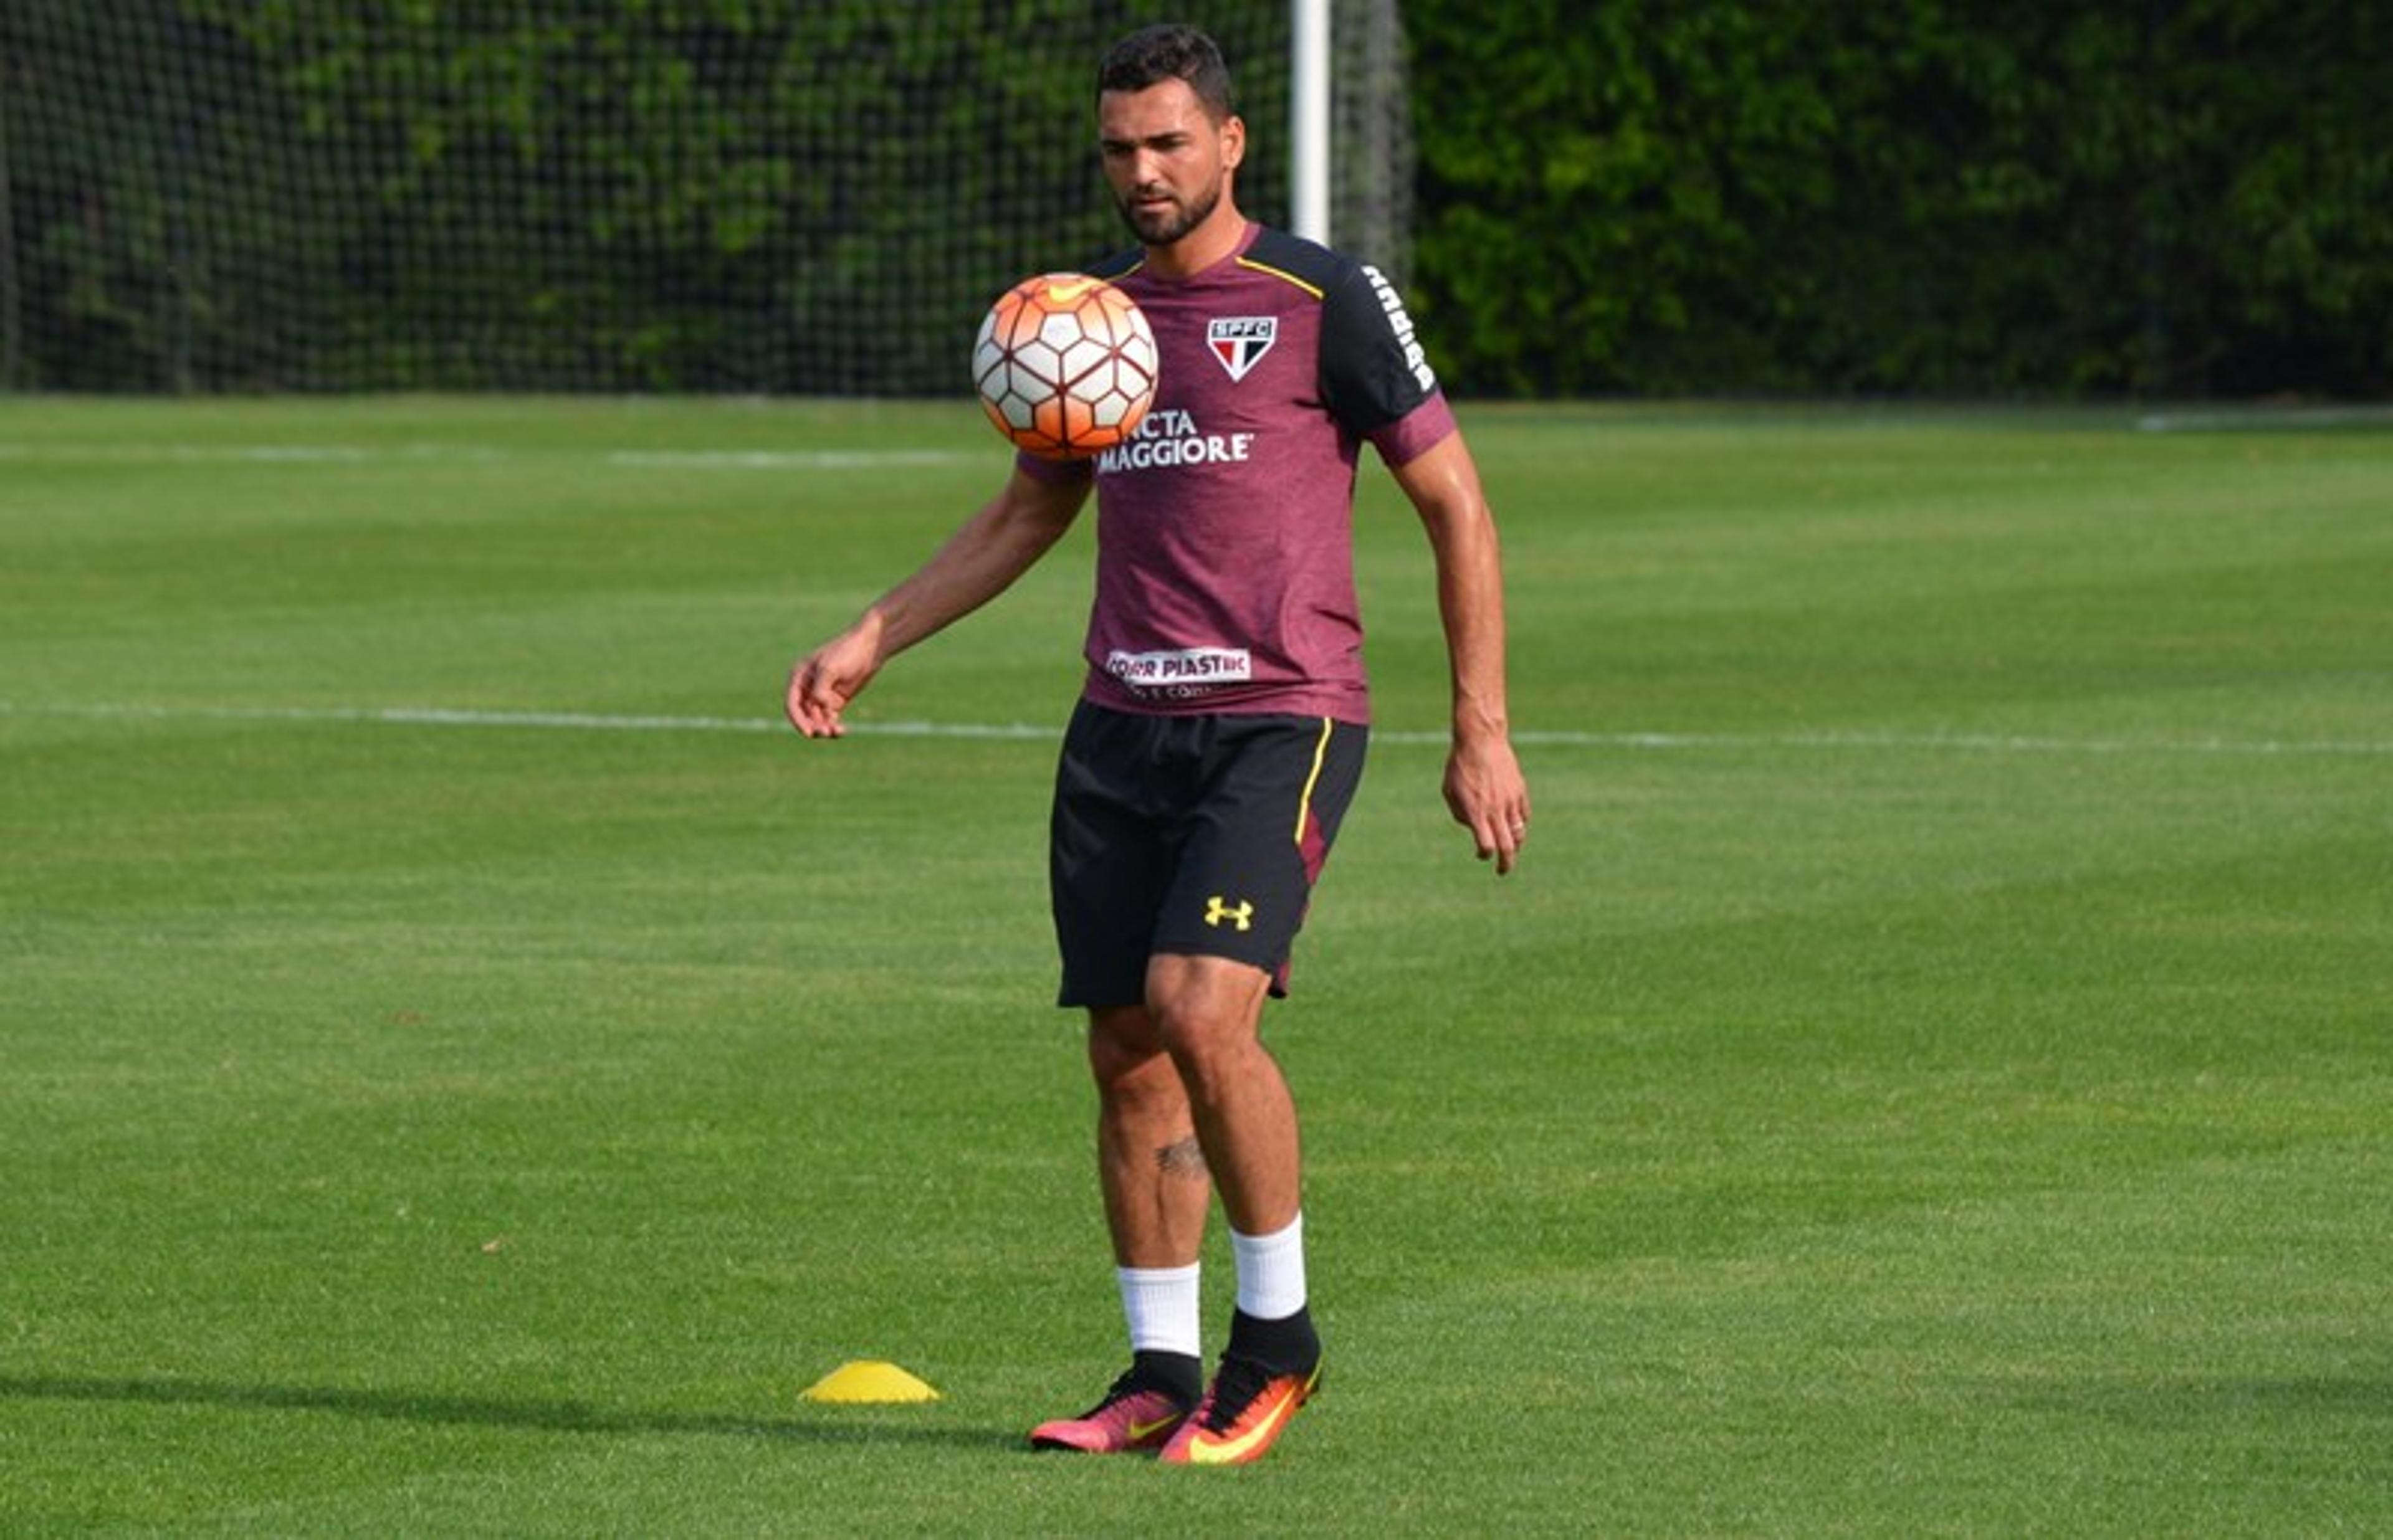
column 1065, row 365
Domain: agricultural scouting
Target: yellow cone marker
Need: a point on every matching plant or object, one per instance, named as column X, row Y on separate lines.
column 869, row 1380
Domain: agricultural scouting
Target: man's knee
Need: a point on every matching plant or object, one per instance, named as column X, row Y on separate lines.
column 1126, row 1049
column 1204, row 1009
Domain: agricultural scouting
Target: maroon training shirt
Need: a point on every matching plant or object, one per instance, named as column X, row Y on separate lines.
column 1226, row 570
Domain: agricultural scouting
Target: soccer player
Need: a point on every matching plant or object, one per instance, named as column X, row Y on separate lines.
column 1221, row 732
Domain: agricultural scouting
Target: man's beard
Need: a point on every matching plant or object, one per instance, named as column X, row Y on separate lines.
column 1177, row 220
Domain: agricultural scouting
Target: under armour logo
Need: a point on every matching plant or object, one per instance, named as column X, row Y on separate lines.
column 1217, row 912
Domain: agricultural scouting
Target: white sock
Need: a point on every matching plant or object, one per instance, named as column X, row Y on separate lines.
column 1160, row 1304
column 1270, row 1271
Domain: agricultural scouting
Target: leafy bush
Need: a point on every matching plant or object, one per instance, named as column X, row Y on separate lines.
column 1646, row 196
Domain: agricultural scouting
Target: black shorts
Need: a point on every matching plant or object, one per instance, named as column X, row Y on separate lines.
column 1190, row 834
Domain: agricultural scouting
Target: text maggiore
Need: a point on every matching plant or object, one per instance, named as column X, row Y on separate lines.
column 1169, row 436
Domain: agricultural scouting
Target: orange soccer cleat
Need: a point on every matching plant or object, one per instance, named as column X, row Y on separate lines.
column 1241, row 1416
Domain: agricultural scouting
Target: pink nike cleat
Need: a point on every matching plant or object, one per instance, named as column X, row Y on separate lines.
column 1133, row 1415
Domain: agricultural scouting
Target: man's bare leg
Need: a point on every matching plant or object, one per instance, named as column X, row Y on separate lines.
column 1153, row 1174
column 1149, row 1160
column 1209, row 1012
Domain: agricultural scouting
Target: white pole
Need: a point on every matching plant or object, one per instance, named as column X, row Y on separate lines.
column 1308, row 168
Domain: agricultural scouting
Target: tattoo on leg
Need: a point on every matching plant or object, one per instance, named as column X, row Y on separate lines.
column 1183, row 1157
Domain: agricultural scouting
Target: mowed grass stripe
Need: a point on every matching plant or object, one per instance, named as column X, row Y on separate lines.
column 1927, row 1078
column 445, row 716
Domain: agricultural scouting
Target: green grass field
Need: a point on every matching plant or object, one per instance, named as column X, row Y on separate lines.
column 461, row 1070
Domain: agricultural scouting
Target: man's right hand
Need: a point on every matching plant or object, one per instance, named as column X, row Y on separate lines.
column 980, row 561
column 824, row 681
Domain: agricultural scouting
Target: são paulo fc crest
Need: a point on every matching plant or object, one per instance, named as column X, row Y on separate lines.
column 1240, row 342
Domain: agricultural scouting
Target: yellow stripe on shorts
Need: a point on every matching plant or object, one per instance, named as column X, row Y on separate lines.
column 1320, row 752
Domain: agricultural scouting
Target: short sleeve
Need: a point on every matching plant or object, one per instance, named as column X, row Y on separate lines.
column 1373, row 370
column 1416, row 433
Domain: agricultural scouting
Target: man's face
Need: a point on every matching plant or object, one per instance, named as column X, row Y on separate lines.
column 1166, row 160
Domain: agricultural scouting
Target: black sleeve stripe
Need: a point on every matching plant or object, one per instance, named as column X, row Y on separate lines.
column 1303, row 263
column 1252, row 265
column 1373, row 372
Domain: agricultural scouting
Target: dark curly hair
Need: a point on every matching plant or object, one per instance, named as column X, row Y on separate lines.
column 1169, row 51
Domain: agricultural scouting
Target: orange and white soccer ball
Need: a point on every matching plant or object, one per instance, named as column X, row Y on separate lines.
column 1065, row 365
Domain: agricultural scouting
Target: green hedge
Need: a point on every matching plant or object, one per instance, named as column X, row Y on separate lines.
column 806, row 196
column 1907, row 195
column 2185, row 196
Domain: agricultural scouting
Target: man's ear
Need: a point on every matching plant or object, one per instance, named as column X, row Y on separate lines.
column 1234, row 142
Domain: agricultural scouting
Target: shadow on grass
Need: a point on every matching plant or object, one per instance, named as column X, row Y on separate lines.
column 856, row 1426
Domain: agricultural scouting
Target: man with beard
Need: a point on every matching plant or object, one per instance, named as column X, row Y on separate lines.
column 1221, row 732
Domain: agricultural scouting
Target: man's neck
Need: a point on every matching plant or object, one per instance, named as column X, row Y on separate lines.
column 1200, row 248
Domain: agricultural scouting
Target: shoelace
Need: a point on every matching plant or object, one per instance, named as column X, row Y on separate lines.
column 1123, row 1387
column 1235, row 1388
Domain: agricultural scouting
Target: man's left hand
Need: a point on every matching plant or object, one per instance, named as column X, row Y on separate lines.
column 1488, row 796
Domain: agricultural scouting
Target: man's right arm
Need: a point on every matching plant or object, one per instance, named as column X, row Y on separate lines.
column 980, row 561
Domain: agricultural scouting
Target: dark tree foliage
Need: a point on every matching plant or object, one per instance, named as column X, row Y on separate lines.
column 2179, row 197
column 1981, row 197
column 813, row 196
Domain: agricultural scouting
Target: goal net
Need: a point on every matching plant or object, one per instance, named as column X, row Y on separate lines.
column 787, row 196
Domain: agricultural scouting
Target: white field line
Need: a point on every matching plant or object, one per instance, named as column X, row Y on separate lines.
column 786, row 459
column 2266, row 419
column 479, row 454
column 448, row 716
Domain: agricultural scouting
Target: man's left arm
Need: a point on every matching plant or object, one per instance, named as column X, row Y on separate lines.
column 1484, row 789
